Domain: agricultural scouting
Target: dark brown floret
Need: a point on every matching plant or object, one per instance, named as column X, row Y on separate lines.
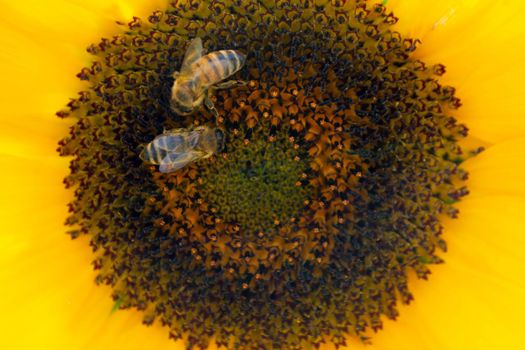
column 341, row 155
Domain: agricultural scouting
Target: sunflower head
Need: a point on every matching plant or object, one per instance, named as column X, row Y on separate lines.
column 340, row 154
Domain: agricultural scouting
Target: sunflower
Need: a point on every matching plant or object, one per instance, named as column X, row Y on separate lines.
column 49, row 296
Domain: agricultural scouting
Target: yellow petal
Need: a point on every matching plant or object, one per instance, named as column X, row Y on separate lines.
column 38, row 273
column 481, row 43
column 499, row 170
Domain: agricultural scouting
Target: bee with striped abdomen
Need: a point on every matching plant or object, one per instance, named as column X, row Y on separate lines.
column 174, row 149
column 201, row 74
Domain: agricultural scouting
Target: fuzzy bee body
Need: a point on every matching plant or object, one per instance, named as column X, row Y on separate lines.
column 174, row 149
column 199, row 74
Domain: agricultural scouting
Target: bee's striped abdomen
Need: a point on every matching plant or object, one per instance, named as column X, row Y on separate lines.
column 152, row 153
column 219, row 65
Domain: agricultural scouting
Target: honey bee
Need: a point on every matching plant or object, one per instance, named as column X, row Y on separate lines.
column 174, row 149
column 199, row 75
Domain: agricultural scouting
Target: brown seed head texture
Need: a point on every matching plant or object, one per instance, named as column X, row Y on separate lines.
column 341, row 155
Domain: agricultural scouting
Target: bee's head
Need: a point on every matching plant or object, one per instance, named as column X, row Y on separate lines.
column 180, row 108
column 144, row 155
column 221, row 139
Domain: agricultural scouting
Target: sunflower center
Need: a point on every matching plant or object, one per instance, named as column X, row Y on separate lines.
column 340, row 157
column 256, row 186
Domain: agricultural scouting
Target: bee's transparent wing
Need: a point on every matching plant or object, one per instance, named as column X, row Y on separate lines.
column 172, row 142
column 194, row 137
column 175, row 161
column 193, row 53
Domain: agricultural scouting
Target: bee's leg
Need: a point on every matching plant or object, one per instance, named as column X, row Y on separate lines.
column 209, row 104
column 229, row 84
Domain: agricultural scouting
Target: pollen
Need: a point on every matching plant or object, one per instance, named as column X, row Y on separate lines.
column 341, row 155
